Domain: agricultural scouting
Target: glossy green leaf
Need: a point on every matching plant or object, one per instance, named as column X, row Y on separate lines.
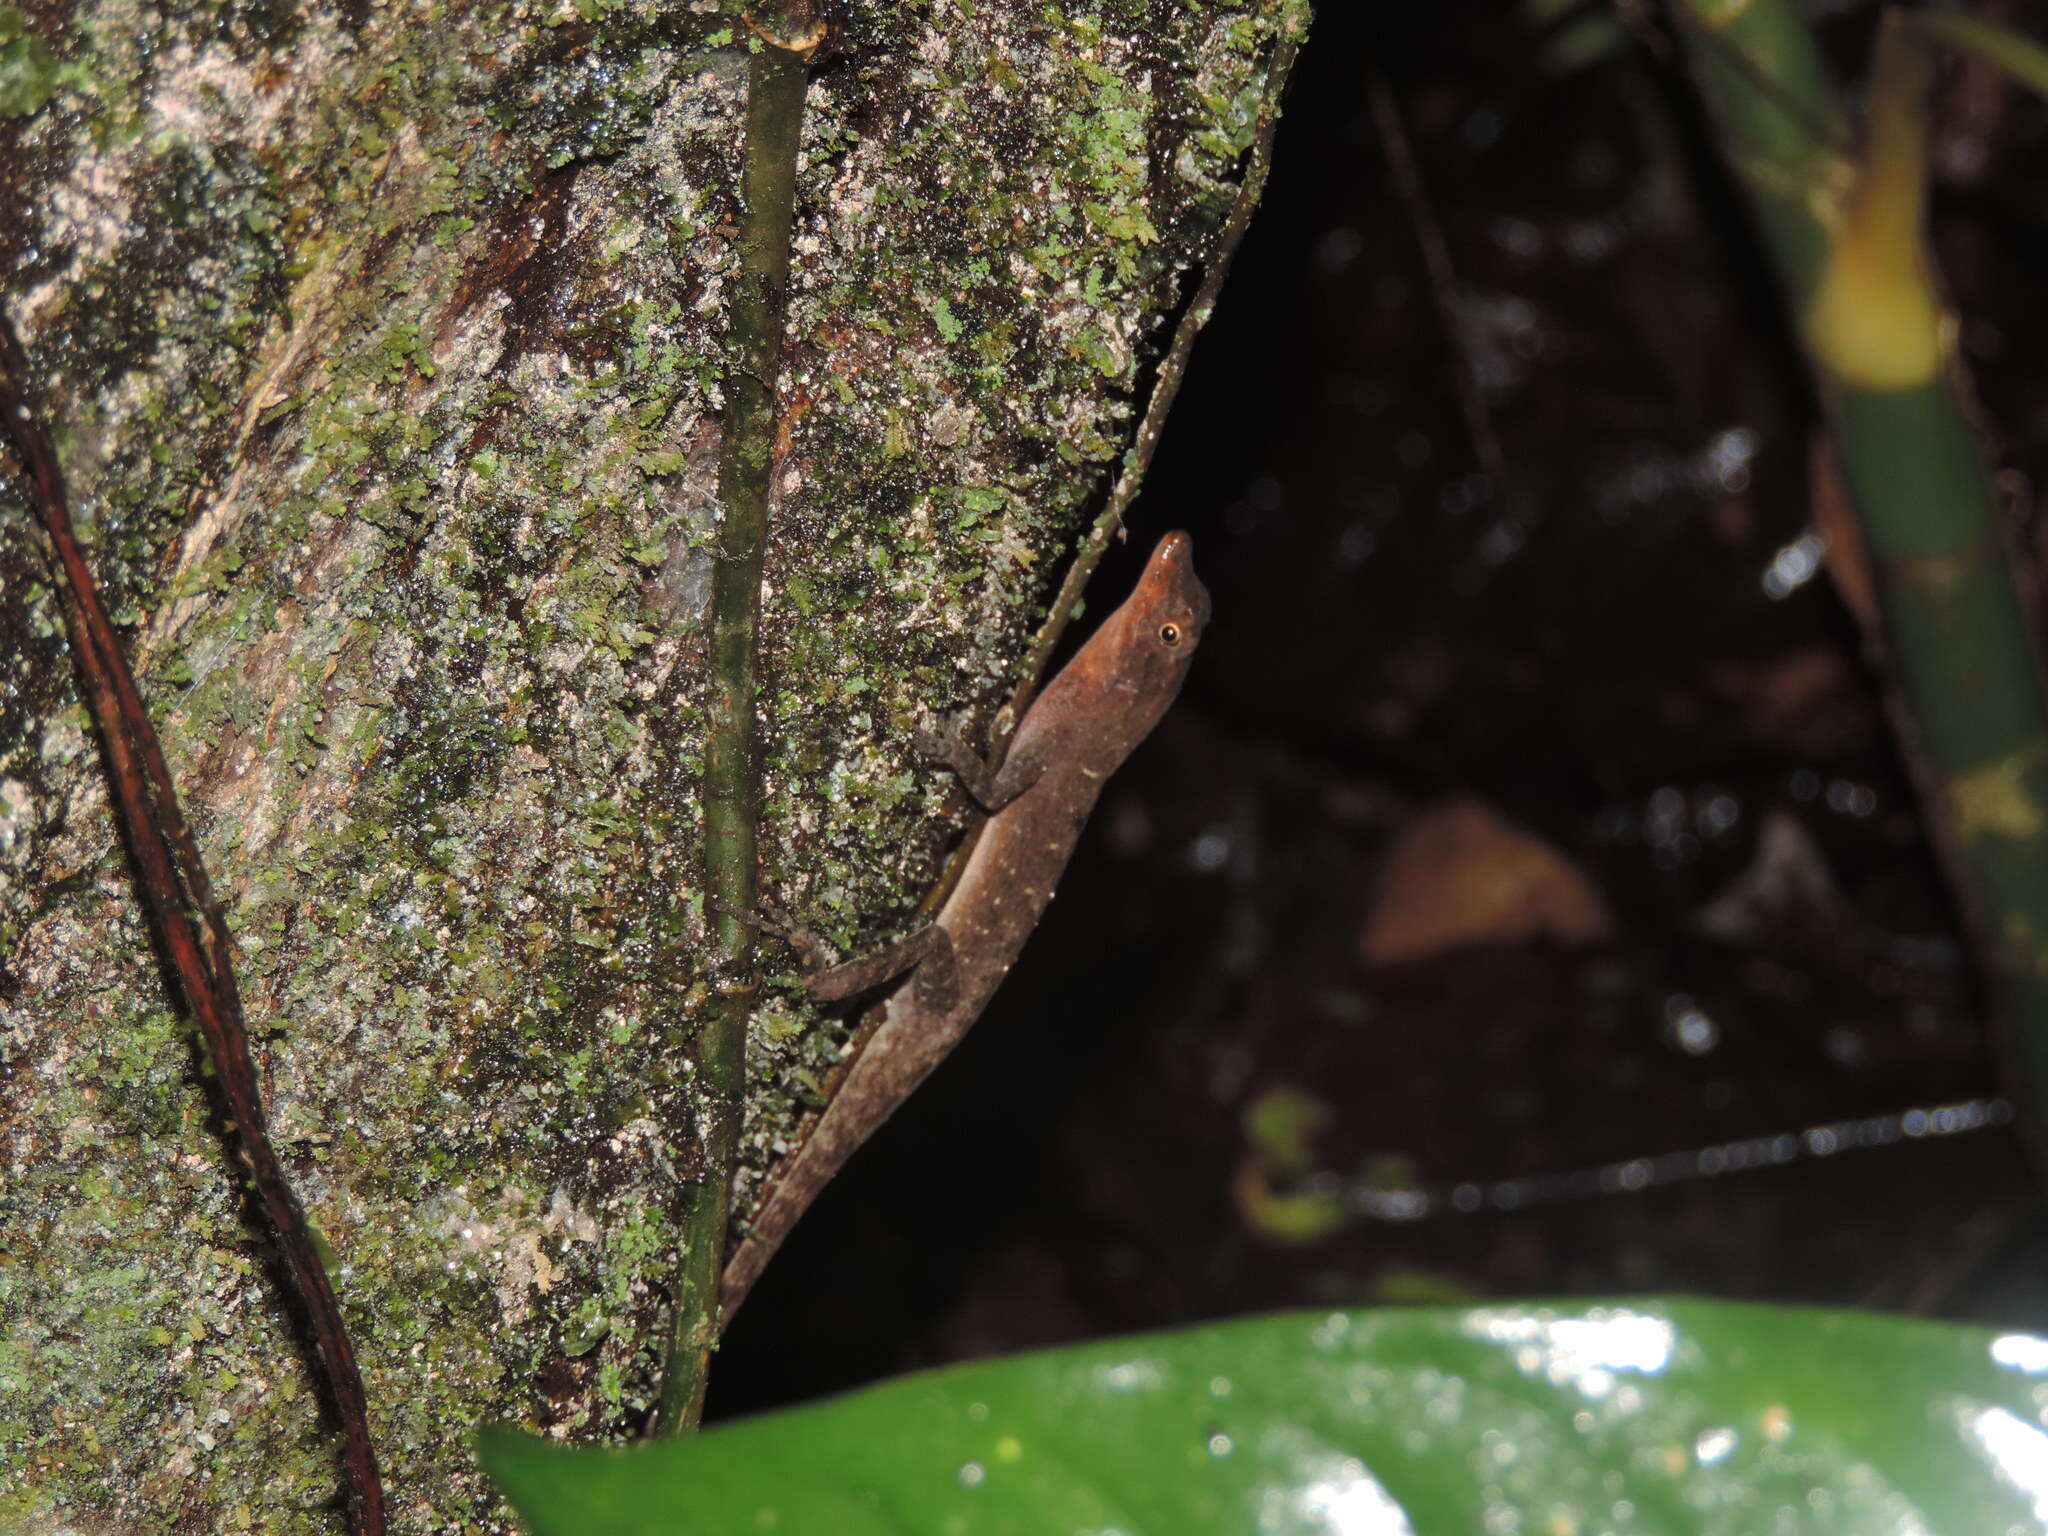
column 1677, row 1417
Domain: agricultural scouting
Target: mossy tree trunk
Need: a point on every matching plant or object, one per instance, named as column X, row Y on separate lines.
column 385, row 347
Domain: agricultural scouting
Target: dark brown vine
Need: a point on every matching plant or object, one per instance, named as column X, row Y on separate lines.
column 184, row 916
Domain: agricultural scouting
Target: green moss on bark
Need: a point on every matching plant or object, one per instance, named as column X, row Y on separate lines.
column 386, row 344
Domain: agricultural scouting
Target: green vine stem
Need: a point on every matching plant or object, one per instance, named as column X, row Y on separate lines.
column 784, row 35
column 1845, row 230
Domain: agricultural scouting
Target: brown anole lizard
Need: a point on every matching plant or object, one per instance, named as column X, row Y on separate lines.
column 1076, row 733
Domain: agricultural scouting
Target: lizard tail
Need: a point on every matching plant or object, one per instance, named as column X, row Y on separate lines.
column 824, row 1153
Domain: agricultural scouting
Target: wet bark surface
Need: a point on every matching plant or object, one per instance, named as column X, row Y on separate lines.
column 383, row 346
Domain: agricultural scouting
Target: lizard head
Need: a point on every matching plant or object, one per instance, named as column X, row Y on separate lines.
column 1106, row 700
column 1166, row 615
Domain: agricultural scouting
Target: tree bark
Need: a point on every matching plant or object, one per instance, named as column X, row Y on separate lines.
column 384, row 344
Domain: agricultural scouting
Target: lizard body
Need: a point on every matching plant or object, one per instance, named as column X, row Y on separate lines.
column 1076, row 733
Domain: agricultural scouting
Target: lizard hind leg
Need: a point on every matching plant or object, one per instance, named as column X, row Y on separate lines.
column 927, row 952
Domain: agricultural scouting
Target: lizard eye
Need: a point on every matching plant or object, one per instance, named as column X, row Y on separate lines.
column 1169, row 634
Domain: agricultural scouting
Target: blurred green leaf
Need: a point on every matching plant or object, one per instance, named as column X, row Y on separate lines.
column 2014, row 52
column 1680, row 1417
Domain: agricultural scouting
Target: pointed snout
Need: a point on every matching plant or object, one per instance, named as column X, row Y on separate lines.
column 1170, row 578
column 1176, row 551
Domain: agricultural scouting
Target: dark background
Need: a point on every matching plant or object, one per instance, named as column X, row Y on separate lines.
column 1577, row 656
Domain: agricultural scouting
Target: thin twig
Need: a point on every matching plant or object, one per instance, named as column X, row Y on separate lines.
column 1166, row 387
column 1443, row 277
column 185, row 917
column 778, row 73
